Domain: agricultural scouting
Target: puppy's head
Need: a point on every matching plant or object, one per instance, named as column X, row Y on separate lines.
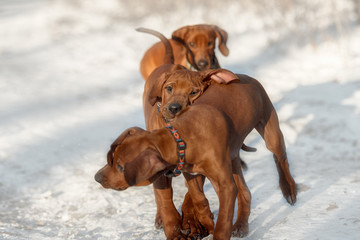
column 200, row 41
column 177, row 89
column 180, row 89
column 131, row 161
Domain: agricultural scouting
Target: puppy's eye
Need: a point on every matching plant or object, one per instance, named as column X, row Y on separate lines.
column 210, row 44
column 194, row 92
column 120, row 167
column 191, row 44
column 169, row 89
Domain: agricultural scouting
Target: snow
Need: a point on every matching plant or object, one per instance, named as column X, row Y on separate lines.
column 70, row 84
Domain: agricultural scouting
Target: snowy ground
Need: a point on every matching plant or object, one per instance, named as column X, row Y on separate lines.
column 70, row 84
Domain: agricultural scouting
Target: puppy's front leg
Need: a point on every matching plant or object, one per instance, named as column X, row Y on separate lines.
column 167, row 216
column 196, row 210
column 226, row 190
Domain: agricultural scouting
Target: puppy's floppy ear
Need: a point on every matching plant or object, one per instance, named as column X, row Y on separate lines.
column 143, row 167
column 156, row 81
column 219, row 76
column 119, row 140
column 222, row 37
column 179, row 34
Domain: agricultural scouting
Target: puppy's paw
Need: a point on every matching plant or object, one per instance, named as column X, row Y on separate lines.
column 240, row 230
column 158, row 223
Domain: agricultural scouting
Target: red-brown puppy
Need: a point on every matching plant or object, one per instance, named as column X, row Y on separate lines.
column 192, row 88
column 175, row 91
column 193, row 47
column 213, row 129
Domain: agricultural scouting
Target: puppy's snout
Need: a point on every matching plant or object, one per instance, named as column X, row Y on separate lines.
column 175, row 108
column 99, row 178
column 202, row 64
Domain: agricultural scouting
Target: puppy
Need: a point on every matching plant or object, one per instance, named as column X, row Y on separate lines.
column 193, row 47
column 179, row 88
column 188, row 89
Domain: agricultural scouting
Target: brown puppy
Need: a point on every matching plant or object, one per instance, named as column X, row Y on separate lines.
column 193, row 47
column 177, row 90
column 138, row 157
column 189, row 89
column 213, row 129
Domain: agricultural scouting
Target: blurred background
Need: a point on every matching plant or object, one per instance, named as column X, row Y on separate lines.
column 260, row 33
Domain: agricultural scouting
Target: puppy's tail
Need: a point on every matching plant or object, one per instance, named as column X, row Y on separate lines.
column 248, row 149
column 169, row 55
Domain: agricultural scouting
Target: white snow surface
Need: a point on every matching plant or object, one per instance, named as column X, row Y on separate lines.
column 70, row 84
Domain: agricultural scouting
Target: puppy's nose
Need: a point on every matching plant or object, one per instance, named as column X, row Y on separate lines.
column 175, row 108
column 202, row 64
column 98, row 178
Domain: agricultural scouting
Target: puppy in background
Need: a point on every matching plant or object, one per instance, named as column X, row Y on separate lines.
column 193, row 47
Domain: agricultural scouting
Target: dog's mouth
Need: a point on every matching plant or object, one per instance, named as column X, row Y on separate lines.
column 107, row 186
column 120, row 188
column 168, row 117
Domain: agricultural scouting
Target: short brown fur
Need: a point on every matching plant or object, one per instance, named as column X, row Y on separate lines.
column 193, row 47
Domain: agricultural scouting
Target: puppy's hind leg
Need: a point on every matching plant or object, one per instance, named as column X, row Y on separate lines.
column 241, row 225
column 274, row 141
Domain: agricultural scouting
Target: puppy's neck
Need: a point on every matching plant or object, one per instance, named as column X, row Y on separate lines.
column 166, row 145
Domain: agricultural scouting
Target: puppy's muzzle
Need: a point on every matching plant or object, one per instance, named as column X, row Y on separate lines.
column 174, row 108
column 99, row 177
column 203, row 64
